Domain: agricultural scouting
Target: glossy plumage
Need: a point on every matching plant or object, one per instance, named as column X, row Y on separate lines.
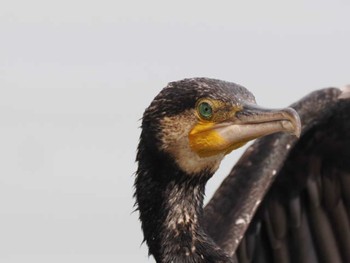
column 305, row 214
column 286, row 200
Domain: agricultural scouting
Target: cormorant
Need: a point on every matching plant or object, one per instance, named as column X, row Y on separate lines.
column 302, row 216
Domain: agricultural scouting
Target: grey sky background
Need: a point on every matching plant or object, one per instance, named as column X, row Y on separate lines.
column 75, row 77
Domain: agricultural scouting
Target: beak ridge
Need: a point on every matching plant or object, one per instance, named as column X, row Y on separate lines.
column 253, row 122
column 287, row 118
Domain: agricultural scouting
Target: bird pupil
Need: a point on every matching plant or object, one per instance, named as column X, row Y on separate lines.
column 205, row 110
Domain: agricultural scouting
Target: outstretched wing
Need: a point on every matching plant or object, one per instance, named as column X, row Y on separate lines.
column 300, row 189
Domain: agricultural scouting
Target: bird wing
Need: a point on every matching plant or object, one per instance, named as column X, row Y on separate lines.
column 288, row 199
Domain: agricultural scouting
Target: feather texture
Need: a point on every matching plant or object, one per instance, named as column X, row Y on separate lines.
column 304, row 215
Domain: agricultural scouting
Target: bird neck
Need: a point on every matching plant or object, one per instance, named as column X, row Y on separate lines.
column 170, row 203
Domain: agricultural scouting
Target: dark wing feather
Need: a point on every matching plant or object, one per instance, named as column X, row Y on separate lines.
column 300, row 189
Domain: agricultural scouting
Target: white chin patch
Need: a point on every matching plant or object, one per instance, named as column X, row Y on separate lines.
column 175, row 141
column 191, row 163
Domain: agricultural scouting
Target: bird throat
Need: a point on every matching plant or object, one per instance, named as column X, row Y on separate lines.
column 181, row 227
column 171, row 206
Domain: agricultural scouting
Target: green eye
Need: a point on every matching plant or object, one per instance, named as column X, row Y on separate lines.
column 205, row 110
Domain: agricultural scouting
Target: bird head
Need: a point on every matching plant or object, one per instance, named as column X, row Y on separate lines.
column 196, row 122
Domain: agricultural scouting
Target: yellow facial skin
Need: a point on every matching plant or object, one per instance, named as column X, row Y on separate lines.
column 218, row 130
column 206, row 141
column 204, row 138
column 198, row 142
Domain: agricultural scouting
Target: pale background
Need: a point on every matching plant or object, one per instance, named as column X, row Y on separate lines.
column 75, row 77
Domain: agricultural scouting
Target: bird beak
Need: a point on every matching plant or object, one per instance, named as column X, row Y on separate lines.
column 252, row 122
column 246, row 123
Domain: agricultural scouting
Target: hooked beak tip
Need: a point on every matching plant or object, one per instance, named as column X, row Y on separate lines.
column 293, row 118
